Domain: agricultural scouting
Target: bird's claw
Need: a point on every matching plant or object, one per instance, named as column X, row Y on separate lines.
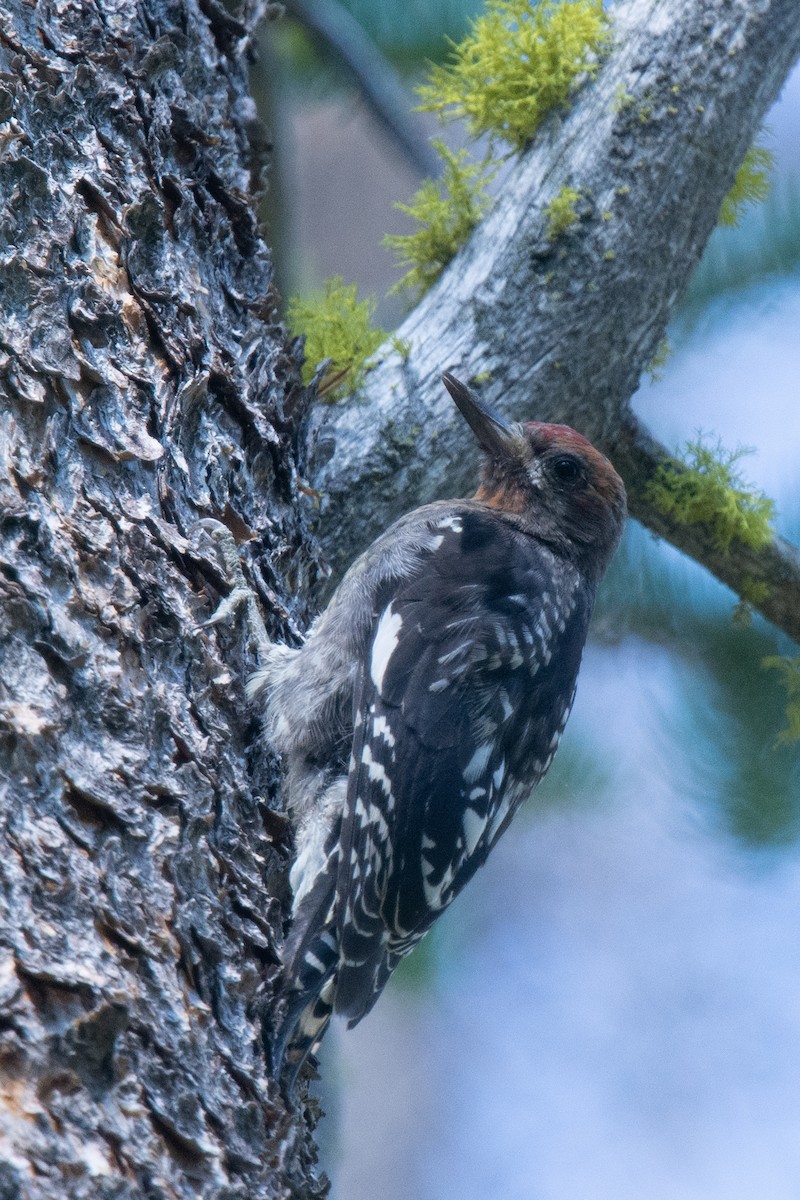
column 241, row 594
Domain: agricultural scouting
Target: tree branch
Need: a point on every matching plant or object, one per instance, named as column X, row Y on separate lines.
column 777, row 565
column 560, row 330
column 382, row 90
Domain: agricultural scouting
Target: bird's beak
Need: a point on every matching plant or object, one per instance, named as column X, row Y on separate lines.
column 494, row 434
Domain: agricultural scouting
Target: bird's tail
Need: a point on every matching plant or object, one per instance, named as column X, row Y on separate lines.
column 300, row 1032
column 311, row 959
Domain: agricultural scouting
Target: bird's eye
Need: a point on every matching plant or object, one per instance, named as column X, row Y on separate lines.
column 567, row 469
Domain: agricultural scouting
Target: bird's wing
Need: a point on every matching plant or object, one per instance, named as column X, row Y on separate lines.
column 468, row 685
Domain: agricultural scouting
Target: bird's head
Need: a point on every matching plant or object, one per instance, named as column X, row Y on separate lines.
column 559, row 486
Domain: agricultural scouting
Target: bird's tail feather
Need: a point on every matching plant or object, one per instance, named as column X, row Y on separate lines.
column 311, row 959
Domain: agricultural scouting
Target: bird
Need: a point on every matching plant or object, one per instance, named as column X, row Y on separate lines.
column 425, row 705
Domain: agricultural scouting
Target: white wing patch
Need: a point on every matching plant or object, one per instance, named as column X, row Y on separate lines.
column 377, row 773
column 500, row 815
column 474, row 826
column 383, row 730
column 387, row 636
column 477, row 764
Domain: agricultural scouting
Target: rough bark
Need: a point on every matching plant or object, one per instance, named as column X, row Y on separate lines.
column 560, row 330
column 145, row 383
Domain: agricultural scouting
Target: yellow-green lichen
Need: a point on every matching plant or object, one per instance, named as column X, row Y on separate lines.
column 707, row 488
column 752, row 593
column 623, row 99
column 561, row 212
column 655, row 368
column 447, row 211
column 519, row 61
column 790, row 669
column 337, row 325
column 751, row 185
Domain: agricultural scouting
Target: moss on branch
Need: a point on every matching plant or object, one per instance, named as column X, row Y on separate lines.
column 446, row 211
column 519, row 61
column 707, row 488
column 337, row 326
column 790, row 670
column 561, row 212
column 751, row 185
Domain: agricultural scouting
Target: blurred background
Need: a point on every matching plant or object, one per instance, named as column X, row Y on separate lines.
column 612, row 1008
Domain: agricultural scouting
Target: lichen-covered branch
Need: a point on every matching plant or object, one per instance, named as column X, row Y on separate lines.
column 766, row 574
column 559, row 328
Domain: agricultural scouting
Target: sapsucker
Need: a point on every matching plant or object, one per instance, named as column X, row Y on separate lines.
column 426, row 704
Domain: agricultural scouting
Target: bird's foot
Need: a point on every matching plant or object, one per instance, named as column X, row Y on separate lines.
column 241, row 594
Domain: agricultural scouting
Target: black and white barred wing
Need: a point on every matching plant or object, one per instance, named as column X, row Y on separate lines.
column 468, row 685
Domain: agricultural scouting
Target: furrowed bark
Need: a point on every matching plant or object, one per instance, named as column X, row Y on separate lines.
column 560, row 330
column 145, row 383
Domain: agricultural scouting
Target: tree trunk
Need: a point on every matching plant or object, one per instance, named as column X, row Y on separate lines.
column 145, row 383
